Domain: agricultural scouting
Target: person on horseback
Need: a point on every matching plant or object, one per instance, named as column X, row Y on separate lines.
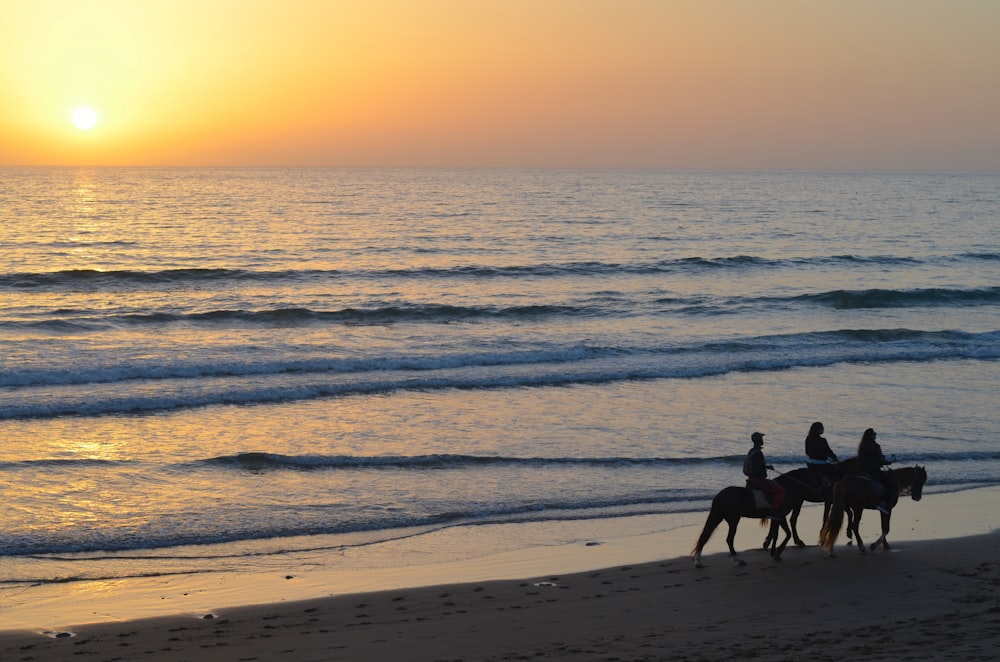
column 872, row 460
column 755, row 467
column 820, row 459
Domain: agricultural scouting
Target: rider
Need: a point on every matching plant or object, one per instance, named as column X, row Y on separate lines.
column 756, row 468
column 820, row 459
column 871, row 459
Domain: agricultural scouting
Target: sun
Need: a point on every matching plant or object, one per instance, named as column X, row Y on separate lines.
column 84, row 118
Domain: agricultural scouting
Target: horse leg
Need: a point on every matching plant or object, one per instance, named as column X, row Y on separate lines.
column 857, row 526
column 772, row 532
column 885, row 532
column 734, row 521
column 714, row 519
column 794, row 524
column 778, row 549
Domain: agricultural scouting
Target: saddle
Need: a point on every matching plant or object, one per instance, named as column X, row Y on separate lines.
column 760, row 500
column 820, row 483
column 819, row 480
column 876, row 485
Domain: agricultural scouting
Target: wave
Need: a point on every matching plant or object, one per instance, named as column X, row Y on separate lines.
column 988, row 257
column 435, row 313
column 109, row 374
column 256, row 461
column 88, row 545
column 390, row 524
column 882, row 298
column 262, row 462
column 94, row 278
column 69, row 321
column 113, row 279
column 857, row 344
column 171, row 386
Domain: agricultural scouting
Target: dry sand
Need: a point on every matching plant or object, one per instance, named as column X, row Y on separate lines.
column 926, row 599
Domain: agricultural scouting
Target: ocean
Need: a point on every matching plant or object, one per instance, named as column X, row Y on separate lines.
column 205, row 368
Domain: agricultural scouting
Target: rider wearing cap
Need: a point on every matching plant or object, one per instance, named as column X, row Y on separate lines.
column 756, row 470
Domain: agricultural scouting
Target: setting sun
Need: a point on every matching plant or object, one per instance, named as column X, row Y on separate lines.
column 84, row 118
column 601, row 83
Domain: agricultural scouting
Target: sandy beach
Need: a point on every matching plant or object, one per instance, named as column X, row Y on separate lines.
column 934, row 595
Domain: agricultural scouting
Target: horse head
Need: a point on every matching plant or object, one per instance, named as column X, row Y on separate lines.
column 911, row 481
column 920, row 478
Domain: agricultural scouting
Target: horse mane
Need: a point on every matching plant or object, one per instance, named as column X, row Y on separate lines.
column 908, row 477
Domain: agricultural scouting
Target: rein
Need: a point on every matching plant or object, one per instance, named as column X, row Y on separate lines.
column 794, row 480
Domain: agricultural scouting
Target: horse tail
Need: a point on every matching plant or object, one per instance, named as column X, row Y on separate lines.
column 835, row 520
column 714, row 519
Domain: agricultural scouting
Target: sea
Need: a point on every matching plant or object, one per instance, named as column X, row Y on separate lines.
column 227, row 368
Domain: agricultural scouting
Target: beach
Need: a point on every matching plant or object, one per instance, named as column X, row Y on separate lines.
column 934, row 595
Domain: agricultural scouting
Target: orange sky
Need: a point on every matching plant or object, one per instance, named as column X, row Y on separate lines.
column 884, row 84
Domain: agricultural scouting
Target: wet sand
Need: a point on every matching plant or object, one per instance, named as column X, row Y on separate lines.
column 934, row 595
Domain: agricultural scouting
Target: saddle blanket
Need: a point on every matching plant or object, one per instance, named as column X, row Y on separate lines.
column 760, row 499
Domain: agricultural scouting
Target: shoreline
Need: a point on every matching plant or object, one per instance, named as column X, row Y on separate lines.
column 950, row 533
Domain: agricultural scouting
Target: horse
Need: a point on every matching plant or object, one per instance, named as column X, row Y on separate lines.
column 855, row 493
column 730, row 505
column 799, row 488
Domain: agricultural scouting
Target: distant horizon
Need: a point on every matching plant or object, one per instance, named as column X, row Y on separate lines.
column 888, row 171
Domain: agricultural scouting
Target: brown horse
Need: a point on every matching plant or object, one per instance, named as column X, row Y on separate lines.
column 854, row 494
column 730, row 505
column 800, row 486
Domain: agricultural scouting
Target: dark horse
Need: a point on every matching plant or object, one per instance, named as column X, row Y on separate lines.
column 801, row 486
column 855, row 493
column 730, row 505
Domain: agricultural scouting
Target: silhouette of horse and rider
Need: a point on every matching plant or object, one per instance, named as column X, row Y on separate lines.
column 845, row 488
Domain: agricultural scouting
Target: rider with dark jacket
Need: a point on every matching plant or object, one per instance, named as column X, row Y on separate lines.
column 756, row 470
column 872, row 460
column 820, row 459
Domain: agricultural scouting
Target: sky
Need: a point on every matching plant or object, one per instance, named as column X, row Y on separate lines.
column 801, row 84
